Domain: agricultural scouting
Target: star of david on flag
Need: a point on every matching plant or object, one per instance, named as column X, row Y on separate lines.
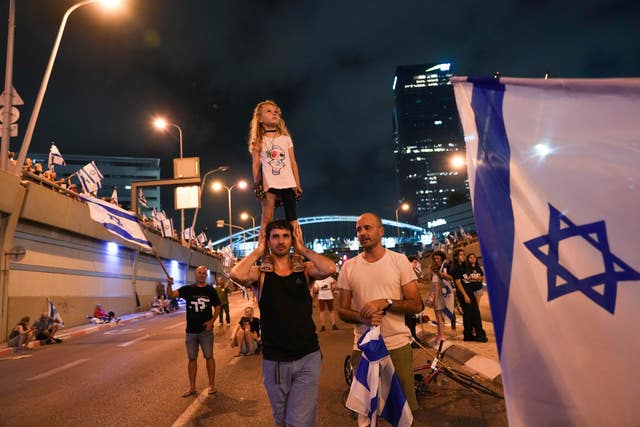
column 55, row 158
column 118, row 221
column 553, row 173
column 594, row 234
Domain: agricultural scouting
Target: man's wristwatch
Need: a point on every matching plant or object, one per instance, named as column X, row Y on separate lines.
column 389, row 304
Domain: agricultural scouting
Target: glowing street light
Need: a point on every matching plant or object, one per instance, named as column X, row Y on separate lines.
column 405, row 207
column 204, row 180
column 218, row 186
column 107, row 5
column 245, row 216
column 458, row 161
column 162, row 124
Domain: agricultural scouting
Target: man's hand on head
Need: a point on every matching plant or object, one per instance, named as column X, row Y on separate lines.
column 298, row 240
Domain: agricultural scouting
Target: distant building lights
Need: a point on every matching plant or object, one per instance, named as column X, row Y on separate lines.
column 440, row 67
column 395, row 80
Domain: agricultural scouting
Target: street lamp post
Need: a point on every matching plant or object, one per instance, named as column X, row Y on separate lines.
column 217, row 186
column 245, row 216
column 405, row 207
column 204, row 180
column 8, row 87
column 220, row 223
column 45, row 79
column 162, row 124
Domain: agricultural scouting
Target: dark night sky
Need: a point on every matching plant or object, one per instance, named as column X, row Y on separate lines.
column 330, row 65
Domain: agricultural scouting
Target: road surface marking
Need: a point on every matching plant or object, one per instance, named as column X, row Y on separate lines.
column 123, row 331
column 174, row 326
column 58, row 369
column 128, row 343
column 187, row 416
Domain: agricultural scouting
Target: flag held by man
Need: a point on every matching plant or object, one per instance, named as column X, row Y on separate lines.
column 375, row 389
column 553, row 173
column 53, row 313
column 118, row 221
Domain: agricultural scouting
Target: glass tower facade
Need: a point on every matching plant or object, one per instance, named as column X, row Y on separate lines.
column 428, row 140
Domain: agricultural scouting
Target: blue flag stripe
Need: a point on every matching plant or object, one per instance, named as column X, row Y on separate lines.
column 492, row 209
column 125, row 234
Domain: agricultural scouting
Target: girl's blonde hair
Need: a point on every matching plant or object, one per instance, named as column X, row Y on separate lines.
column 256, row 131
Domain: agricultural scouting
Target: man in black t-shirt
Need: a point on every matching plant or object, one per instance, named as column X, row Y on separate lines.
column 203, row 306
column 291, row 352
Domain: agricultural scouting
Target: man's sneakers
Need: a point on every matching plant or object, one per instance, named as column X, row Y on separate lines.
column 322, row 329
column 334, row 327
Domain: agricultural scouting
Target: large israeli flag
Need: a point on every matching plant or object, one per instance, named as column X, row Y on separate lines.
column 118, row 221
column 555, row 182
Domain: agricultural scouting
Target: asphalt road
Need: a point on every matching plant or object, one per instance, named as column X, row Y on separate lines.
column 134, row 374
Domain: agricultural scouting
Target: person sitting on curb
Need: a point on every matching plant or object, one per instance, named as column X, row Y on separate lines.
column 46, row 328
column 247, row 334
column 159, row 306
column 21, row 335
column 101, row 316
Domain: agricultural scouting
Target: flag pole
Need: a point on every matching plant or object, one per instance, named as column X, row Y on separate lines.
column 157, row 256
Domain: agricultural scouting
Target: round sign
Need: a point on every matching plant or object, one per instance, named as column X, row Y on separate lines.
column 14, row 115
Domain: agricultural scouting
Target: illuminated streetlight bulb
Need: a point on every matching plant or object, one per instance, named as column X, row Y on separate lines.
column 244, row 216
column 160, row 123
column 242, row 185
column 111, row 4
column 405, row 206
column 217, row 186
column 457, row 161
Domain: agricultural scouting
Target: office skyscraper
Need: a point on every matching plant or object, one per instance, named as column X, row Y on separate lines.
column 428, row 140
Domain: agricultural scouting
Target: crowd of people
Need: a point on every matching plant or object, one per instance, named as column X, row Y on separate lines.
column 378, row 288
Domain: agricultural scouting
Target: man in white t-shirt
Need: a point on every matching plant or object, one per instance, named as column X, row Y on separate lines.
column 324, row 289
column 378, row 287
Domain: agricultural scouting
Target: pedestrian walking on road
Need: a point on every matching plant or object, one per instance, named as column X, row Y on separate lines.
column 223, row 294
column 378, row 287
column 203, row 307
column 290, row 347
column 324, row 289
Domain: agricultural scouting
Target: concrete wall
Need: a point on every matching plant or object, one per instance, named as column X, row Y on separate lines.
column 74, row 261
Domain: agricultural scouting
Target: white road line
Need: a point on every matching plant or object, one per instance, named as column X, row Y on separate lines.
column 128, row 343
column 56, row 370
column 123, row 331
column 174, row 326
column 187, row 416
